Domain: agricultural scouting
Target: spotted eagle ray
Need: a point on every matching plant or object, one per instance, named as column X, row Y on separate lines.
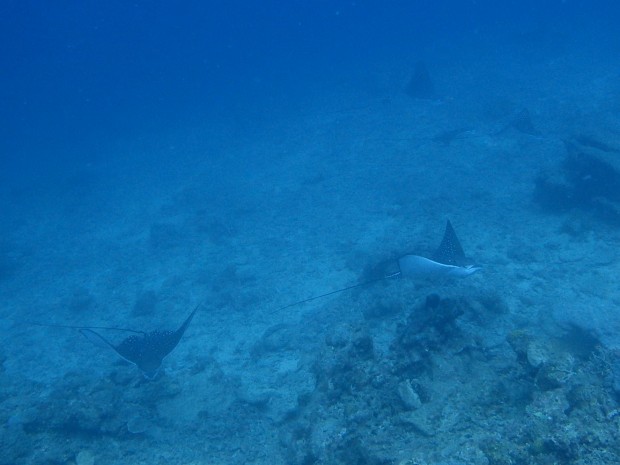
column 448, row 261
column 146, row 350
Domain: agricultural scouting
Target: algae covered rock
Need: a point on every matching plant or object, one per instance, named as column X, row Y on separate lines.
column 432, row 323
column 519, row 340
column 550, row 364
column 85, row 457
column 537, row 354
column 615, row 372
column 422, row 421
column 556, row 370
column 408, row 395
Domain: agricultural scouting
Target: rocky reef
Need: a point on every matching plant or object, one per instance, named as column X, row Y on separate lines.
column 440, row 394
column 436, row 384
column 586, row 181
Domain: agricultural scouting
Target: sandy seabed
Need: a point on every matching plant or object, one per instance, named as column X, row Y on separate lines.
column 515, row 364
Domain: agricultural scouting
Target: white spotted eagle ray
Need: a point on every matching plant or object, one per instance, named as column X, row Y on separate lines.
column 448, row 261
column 145, row 350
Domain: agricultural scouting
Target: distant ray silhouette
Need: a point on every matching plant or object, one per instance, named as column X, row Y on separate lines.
column 520, row 122
column 420, row 85
column 146, row 351
column 449, row 260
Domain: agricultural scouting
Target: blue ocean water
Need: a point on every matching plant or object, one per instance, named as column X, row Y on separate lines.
column 273, row 163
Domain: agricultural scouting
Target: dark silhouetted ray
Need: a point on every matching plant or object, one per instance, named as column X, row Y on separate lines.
column 421, row 86
column 450, row 251
column 146, row 351
column 447, row 137
column 523, row 123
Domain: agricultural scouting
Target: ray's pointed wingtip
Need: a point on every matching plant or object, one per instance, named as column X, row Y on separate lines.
column 191, row 315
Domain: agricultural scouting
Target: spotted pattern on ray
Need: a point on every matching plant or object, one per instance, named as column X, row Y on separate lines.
column 148, row 351
column 450, row 251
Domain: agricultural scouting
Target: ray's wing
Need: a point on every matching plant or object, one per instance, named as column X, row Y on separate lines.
column 450, row 251
column 186, row 323
column 168, row 340
column 130, row 349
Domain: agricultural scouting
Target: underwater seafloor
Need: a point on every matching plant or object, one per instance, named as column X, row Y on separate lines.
column 517, row 364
